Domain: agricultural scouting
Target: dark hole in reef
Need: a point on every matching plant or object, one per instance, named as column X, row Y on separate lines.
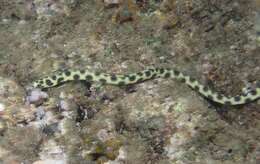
column 80, row 114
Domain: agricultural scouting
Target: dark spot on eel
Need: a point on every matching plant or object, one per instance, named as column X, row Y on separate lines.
column 60, row 79
column 147, row 73
column 167, row 75
column 89, row 77
column 247, row 100
column 82, row 71
column 113, row 77
column 219, row 97
column 140, row 74
column 132, row 78
column 140, row 80
column 183, row 80
column 253, row 92
column 97, row 73
column 205, row 89
column 151, row 69
column 48, row 82
column 67, row 73
column 210, row 97
column 237, row 98
column 162, row 71
column 123, row 77
column 76, row 77
column 176, row 73
column 227, row 102
column 192, row 79
column 121, row 83
column 54, row 77
column 103, row 81
column 154, row 75
column 196, row 88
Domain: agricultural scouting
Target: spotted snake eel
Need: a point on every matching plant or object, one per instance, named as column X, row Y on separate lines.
column 121, row 80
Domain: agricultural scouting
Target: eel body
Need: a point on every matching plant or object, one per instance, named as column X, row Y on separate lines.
column 120, row 80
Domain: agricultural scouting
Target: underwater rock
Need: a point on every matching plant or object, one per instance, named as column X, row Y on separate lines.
column 2, row 107
column 36, row 96
column 9, row 88
column 111, row 3
column 51, row 153
column 49, row 161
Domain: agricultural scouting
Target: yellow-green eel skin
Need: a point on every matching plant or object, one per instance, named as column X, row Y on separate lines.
column 121, row 80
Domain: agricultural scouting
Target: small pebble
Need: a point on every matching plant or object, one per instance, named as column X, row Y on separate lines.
column 2, row 107
column 40, row 113
column 49, row 161
column 36, row 96
column 64, row 105
column 111, row 3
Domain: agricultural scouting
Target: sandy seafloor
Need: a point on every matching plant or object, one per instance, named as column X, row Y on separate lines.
column 159, row 121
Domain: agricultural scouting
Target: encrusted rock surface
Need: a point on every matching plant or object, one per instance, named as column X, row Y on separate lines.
column 158, row 121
